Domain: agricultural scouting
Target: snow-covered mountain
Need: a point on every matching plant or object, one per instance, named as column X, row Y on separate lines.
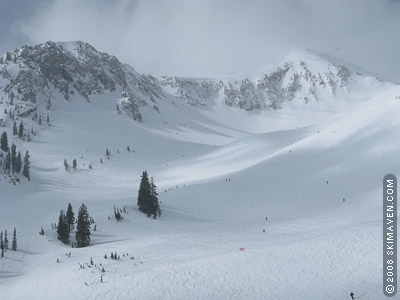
column 270, row 182
column 302, row 77
column 36, row 74
column 40, row 74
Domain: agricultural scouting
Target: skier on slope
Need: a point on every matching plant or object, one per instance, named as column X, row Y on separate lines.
column 352, row 295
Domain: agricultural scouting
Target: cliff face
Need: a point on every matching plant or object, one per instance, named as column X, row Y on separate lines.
column 33, row 73
column 302, row 77
column 36, row 74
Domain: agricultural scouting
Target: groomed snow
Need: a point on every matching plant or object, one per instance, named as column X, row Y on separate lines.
column 217, row 180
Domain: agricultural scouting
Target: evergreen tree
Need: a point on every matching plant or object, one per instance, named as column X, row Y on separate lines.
column 15, row 129
column 62, row 228
column 2, row 244
column 14, row 242
column 154, row 206
column 70, row 217
column 4, row 142
column 74, row 164
column 7, row 164
column 83, row 227
column 21, row 130
column 6, row 240
column 66, row 164
column 25, row 170
column 18, row 163
column 13, row 156
column 144, row 193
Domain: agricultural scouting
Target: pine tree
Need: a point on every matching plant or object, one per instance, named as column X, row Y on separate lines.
column 6, row 240
column 25, row 170
column 74, row 164
column 144, row 193
column 15, row 129
column 2, row 244
column 11, row 94
column 13, row 156
column 83, row 227
column 62, row 228
column 18, row 163
column 70, row 218
column 21, row 130
column 7, row 164
column 66, row 164
column 14, row 242
column 154, row 206
column 4, row 142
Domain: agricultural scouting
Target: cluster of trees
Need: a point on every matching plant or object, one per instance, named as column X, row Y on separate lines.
column 66, row 165
column 118, row 213
column 12, row 162
column 148, row 197
column 18, row 130
column 66, row 225
column 4, row 242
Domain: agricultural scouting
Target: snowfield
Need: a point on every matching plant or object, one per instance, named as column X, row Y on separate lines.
column 220, row 172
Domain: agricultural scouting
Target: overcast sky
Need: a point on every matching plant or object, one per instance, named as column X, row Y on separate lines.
column 205, row 38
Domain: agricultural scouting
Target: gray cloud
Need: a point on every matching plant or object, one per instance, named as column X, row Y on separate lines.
column 210, row 37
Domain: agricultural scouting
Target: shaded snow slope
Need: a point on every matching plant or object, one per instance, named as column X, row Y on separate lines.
column 315, row 245
column 220, row 171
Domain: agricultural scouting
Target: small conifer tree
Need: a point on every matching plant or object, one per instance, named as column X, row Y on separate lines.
column 25, row 170
column 21, row 130
column 13, row 156
column 70, row 218
column 15, row 129
column 83, row 227
column 6, row 240
column 4, row 142
column 144, row 193
column 2, row 244
column 7, row 165
column 18, row 163
column 62, row 228
column 14, row 241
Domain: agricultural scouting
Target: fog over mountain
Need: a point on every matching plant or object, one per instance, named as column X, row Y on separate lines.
column 210, row 38
column 195, row 149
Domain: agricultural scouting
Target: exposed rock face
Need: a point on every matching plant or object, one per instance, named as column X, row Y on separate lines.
column 292, row 80
column 74, row 68
column 34, row 74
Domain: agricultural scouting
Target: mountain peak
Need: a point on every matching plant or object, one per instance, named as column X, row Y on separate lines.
column 76, row 69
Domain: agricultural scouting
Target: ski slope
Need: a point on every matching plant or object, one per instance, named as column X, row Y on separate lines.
column 218, row 180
